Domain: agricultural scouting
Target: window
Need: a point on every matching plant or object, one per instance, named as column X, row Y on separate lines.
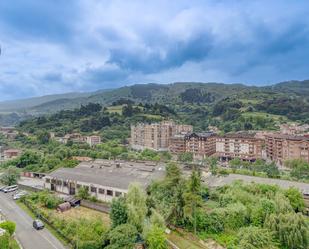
column 101, row 191
column 47, row 180
column 117, row 194
column 93, row 189
column 109, row 192
column 58, row 182
column 65, row 184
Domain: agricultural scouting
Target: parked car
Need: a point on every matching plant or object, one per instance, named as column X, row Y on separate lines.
column 3, row 187
column 37, row 224
column 10, row 189
column 19, row 194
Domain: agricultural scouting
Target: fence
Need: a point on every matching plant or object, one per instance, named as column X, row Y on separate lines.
column 29, row 188
column 39, row 215
column 105, row 208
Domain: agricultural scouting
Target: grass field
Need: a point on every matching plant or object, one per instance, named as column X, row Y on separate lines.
column 86, row 213
column 115, row 109
column 264, row 115
column 185, row 240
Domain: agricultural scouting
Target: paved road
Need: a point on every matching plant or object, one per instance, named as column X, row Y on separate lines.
column 26, row 235
column 223, row 180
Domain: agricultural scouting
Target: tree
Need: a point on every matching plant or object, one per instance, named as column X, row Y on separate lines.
column 9, row 226
column 28, row 158
column 296, row 199
column 212, row 163
column 300, row 168
column 119, row 212
column 255, row 238
column 43, row 137
column 136, row 203
column 290, row 229
column 235, row 163
column 83, row 193
column 263, row 208
column 272, row 170
column 122, row 237
column 193, row 197
column 5, row 241
column 173, row 174
column 10, row 176
column 185, row 157
column 156, row 238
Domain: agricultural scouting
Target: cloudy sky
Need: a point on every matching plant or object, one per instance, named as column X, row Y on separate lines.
column 55, row 46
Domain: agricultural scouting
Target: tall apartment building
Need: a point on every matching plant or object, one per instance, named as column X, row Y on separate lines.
column 156, row 136
column 201, row 144
column 239, row 145
column 280, row 147
column 177, row 144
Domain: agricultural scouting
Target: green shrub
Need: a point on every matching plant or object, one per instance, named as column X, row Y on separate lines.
column 9, row 226
column 255, row 238
column 5, row 241
column 263, row 208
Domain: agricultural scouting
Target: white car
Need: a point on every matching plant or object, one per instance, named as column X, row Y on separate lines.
column 18, row 195
column 10, row 189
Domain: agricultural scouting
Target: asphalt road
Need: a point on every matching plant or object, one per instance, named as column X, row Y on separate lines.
column 25, row 233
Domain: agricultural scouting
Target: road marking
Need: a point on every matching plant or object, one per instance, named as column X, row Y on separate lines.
column 53, row 245
column 16, row 210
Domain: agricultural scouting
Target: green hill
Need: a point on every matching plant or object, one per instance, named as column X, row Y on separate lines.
column 289, row 99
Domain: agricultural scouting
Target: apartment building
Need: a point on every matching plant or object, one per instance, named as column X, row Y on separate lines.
column 282, row 147
column 239, row 145
column 201, row 144
column 156, row 136
column 177, row 144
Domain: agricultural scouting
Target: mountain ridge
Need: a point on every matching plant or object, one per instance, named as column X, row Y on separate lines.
column 168, row 94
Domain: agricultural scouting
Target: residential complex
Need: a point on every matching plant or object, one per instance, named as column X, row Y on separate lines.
column 248, row 146
column 8, row 132
column 156, row 136
column 92, row 140
column 239, row 145
column 104, row 179
column 281, row 147
column 201, row 144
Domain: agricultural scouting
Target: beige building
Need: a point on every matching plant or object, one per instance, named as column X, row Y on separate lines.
column 239, row 145
column 104, row 179
column 281, row 147
column 93, row 140
column 11, row 153
column 156, row 136
column 177, row 144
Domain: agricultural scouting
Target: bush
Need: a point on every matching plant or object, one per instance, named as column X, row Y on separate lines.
column 119, row 212
column 9, row 226
column 263, row 208
column 5, row 241
column 296, row 199
column 292, row 230
column 214, row 222
column 156, row 238
column 123, row 236
column 255, row 238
